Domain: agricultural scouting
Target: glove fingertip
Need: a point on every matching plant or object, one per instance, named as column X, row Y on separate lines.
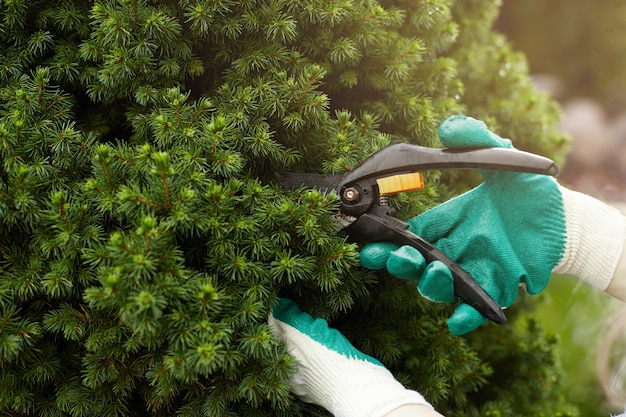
column 287, row 311
column 406, row 262
column 465, row 319
column 437, row 283
column 375, row 255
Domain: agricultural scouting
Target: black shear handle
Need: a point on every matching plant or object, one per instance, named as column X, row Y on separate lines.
column 404, row 157
column 380, row 227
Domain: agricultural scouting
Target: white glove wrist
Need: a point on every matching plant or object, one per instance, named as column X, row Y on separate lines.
column 345, row 385
column 594, row 242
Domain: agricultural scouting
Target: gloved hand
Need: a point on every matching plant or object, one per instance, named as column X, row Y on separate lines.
column 334, row 374
column 514, row 228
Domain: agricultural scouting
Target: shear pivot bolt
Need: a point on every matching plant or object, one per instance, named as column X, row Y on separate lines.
column 351, row 194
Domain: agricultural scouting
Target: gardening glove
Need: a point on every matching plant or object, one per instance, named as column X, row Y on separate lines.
column 334, row 374
column 514, row 228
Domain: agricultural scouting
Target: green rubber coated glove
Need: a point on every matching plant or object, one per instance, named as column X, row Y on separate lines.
column 514, row 228
column 334, row 374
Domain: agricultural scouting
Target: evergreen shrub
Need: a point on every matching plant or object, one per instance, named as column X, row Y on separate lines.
column 144, row 239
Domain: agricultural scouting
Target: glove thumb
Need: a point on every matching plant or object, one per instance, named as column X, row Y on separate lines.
column 466, row 132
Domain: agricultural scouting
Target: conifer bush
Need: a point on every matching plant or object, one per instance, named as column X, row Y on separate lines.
column 145, row 239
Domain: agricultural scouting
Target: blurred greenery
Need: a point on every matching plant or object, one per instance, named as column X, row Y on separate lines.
column 577, row 314
column 581, row 42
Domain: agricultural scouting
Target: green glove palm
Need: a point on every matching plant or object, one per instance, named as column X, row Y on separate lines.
column 509, row 230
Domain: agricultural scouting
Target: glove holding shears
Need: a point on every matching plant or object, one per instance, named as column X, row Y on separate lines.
column 515, row 228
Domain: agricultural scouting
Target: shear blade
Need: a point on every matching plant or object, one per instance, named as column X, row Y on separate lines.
column 321, row 182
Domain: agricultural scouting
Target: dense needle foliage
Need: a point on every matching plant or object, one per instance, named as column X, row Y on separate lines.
column 145, row 240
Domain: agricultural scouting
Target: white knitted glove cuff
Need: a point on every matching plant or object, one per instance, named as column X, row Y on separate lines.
column 347, row 387
column 595, row 238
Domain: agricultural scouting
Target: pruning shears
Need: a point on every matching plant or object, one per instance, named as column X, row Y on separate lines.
column 365, row 214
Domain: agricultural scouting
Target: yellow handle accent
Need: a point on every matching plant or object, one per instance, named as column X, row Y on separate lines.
column 400, row 183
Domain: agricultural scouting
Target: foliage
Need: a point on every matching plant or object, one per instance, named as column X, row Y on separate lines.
column 145, row 240
column 579, row 314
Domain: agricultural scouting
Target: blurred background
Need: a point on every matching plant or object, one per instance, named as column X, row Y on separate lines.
column 577, row 53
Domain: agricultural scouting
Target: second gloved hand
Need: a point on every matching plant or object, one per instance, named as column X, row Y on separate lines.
column 515, row 228
column 334, row 374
